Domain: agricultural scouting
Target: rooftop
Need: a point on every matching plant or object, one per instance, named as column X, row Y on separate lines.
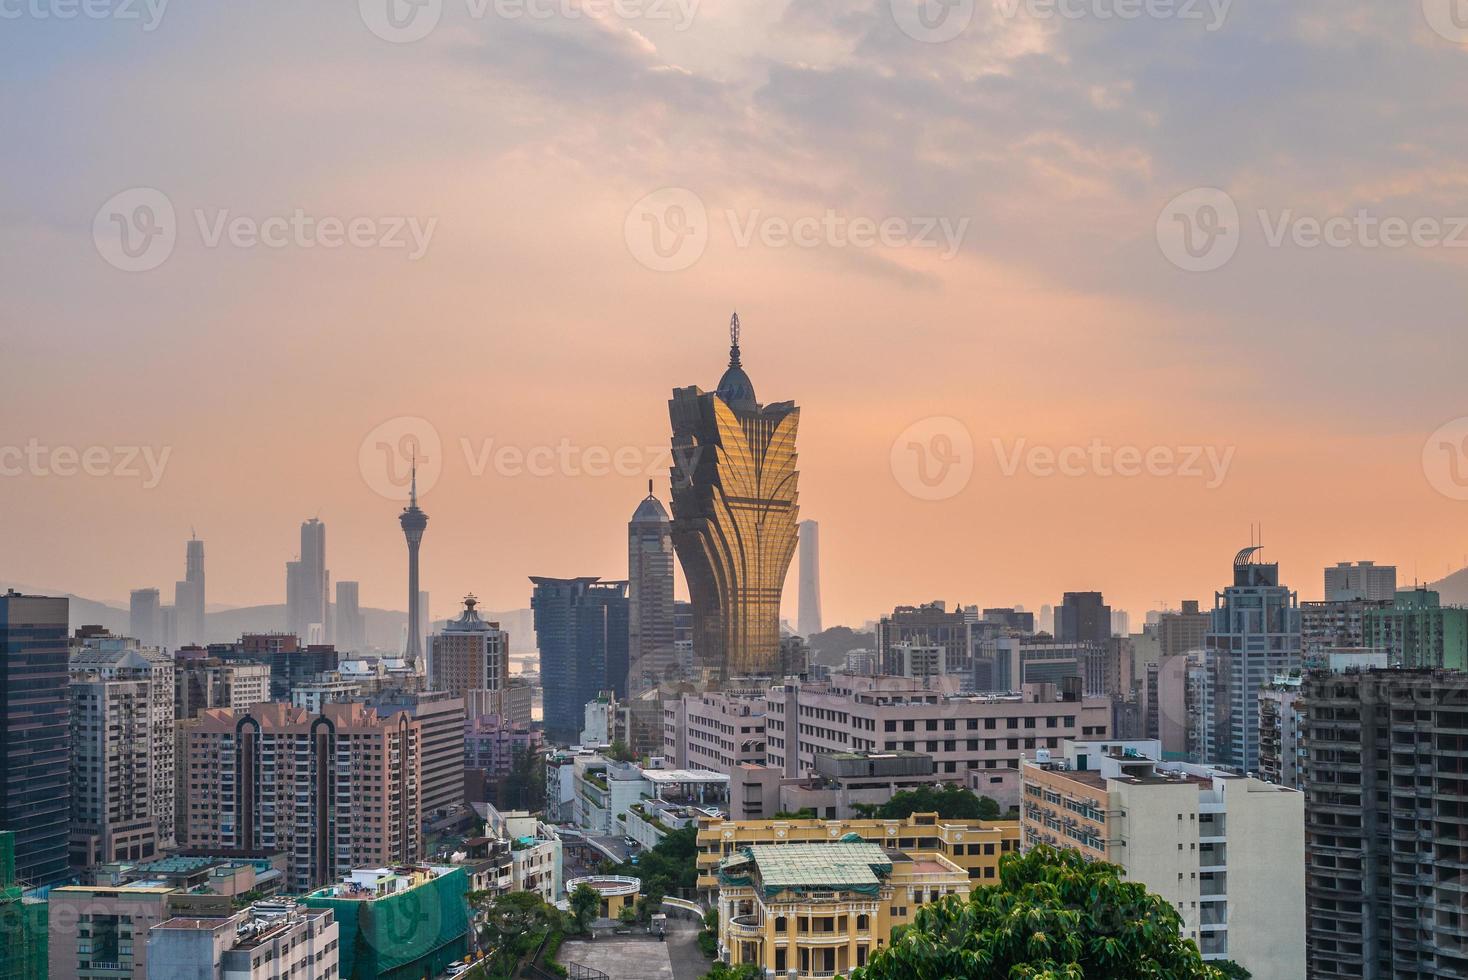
column 837, row 866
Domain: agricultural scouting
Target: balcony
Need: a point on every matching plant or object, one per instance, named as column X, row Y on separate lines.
column 746, row 927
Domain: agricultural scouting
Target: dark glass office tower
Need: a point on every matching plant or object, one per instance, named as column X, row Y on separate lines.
column 581, row 630
column 734, row 518
column 35, row 746
column 1083, row 617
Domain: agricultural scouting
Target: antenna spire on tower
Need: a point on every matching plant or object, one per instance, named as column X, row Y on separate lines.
column 734, row 340
column 413, row 482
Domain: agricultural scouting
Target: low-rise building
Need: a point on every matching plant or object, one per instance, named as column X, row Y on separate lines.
column 1227, row 851
column 606, row 790
column 287, row 941
column 616, row 892
column 823, row 909
column 973, row 845
column 102, row 931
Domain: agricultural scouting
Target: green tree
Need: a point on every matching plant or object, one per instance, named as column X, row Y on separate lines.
column 949, row 801
column 1231, row 970
column 619, row 752
column 670, row 868
column 1052, row 916
column 746, row 972
column 524, row 787
column 511, row 927
column 649, row 903
column 585, row 901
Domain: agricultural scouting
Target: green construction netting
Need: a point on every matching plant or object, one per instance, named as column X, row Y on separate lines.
column 417, row 933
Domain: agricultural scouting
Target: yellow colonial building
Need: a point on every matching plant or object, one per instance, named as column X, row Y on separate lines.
column 975, row 846
column 818, row 910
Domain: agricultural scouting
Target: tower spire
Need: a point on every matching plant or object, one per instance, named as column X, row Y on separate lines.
column 734, row 340
column 413, row 484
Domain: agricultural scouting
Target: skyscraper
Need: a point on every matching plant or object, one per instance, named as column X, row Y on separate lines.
column 470, row 660
column 735, row 506
column 1083, row 617
column 414, row 522
column 1253, row 637
column 351, row 628
column 188, row 596
column 308, row 583
column 651, row 655
column 35, row 735
column 145, row 617
column 581, row 630
column 809, row 622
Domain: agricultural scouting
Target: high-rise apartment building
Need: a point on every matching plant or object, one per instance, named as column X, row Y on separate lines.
column 581, row 630
column 35, row 735
column 1281, row 733
column 809, row 622
column 334, row 791
column 1226, row 851
column 1083, row 617
column 470, row 659
column 1417, row 630
column 652, row 658
column 714, row 730
column 308, row 584
column 122, row 732
column 1335, row 625
column 1254, row 637
column 441, row 716
column 1386, row 783
column 930, row 624
column 350, row 628
column 735, row 507
column 145, row 617
column 1360, row 580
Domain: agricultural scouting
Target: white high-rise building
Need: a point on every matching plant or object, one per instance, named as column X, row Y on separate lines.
column 809, row 621
column 1360, row 580
column 651, row 655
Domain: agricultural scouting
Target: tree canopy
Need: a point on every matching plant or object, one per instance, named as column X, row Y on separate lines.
column 670, row 868
column 1052, row 916
column 949, row 801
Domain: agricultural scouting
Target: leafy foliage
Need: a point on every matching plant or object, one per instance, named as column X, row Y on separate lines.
column 1052, row 916
column 524, row 787
column 746, row 972
column 585, row 902
column 512, row 926
column 949, row 801
column 619, row 752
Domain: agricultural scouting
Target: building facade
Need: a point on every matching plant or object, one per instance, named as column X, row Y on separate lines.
column 735, row 508
column 1083, row 617
column 930, row 624
column 581, row 628
column 35, row 735
column 715, row 731
column 1386, row 783
column 1360, row 580
column 651, row 657
column 333, row 791
column 263, row 942
column 470, row 659
column 887, row 714
column 441, row 716
column 808, row 623
column 1226, row 851
column 1254, row 637
column 1418, row 631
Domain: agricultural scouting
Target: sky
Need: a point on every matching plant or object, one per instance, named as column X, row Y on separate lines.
column 1070, row 294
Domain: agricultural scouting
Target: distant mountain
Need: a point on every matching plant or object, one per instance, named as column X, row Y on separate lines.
column 1453, row 590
